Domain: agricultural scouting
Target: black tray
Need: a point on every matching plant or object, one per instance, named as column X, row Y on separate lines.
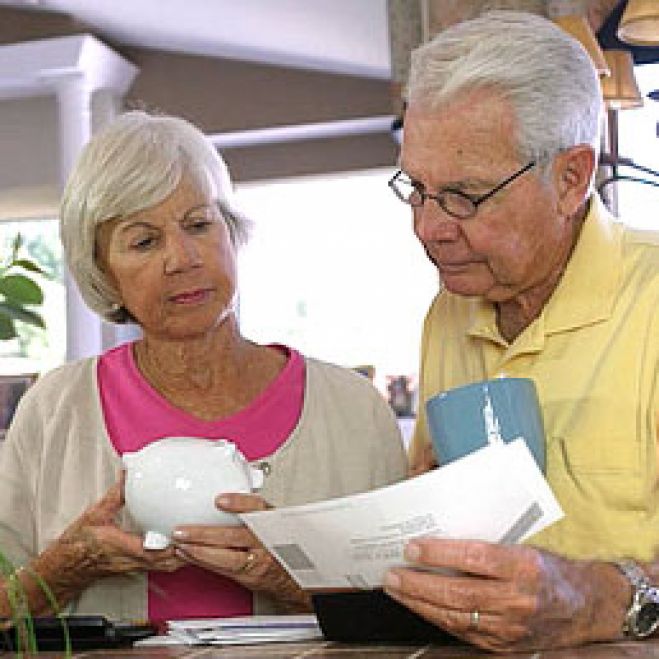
column 367, row 616
column 85, row 633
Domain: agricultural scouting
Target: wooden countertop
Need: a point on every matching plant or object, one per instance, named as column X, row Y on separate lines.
column 326, row 649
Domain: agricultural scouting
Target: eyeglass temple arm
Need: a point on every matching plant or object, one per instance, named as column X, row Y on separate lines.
column 619, row 161
column 503, row 184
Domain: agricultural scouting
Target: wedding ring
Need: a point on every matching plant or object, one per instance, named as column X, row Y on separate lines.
column 250, row 559
column 474, row 619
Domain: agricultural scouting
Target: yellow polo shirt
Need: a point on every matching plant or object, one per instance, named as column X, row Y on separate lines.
column 594, row 356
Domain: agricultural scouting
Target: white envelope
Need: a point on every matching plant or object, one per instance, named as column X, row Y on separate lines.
column 496, row 494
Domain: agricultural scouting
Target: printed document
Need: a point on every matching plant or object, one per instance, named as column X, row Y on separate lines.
column 496, row 494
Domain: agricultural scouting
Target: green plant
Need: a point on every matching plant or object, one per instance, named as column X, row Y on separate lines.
column 19, row 629
column 18, row 292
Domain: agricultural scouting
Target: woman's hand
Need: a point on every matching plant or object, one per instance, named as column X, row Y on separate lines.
column 235, row 552
column 92, row 547
column 98, row 547
column 511, row 598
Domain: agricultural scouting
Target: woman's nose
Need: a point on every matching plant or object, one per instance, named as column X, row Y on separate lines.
column 432, row 223
column 181, row 253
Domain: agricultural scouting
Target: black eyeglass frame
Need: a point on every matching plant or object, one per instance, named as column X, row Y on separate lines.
column 438, row 197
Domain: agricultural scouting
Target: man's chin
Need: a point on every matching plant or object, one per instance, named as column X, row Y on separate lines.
column 462, row 286
column 488, row 293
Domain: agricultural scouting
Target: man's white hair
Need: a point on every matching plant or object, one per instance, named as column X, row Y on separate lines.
column 547, row 77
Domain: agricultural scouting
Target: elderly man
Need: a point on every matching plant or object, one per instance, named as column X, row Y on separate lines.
column 539, row 281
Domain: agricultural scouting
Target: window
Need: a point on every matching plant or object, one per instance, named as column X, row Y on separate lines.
column 36, row 350
column 639, row 140
column 333, row 269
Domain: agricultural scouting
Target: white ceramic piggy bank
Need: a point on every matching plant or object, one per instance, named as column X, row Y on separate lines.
column 175, row 480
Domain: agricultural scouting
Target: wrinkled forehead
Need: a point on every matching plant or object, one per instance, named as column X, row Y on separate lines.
column 193, row 177
column 471, row 130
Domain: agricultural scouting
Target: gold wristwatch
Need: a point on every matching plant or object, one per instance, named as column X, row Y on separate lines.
column 642, row 617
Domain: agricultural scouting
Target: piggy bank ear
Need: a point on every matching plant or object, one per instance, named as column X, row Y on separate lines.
column 256, row 477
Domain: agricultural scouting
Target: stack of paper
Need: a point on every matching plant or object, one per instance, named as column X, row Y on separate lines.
column 238, row 631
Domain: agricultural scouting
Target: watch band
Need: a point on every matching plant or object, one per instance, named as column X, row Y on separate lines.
column 642, row 617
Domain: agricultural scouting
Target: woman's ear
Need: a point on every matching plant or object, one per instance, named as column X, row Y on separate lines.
column 574, row 171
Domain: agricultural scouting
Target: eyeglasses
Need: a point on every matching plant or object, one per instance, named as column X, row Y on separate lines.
column 456, row 203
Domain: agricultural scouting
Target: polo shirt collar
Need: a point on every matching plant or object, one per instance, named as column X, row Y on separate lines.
column 586, row 291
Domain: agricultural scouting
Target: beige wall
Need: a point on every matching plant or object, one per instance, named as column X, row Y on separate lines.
column 219, row 95
column 28, row 141
column 28, row 157
column 222, row 95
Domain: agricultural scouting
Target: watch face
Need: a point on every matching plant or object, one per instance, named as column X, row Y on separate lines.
column 647, row 619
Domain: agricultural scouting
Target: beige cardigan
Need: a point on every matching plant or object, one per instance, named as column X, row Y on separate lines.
column 57, row 460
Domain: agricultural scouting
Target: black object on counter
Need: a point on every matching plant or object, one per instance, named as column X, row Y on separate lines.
column 84, row 632
column 365, row 616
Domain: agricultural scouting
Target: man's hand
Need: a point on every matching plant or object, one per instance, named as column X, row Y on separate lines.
column 510, row 598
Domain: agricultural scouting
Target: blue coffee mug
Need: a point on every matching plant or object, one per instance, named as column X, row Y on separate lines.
column 468, row 418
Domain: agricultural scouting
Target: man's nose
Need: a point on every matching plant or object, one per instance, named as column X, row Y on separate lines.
column 433, row 223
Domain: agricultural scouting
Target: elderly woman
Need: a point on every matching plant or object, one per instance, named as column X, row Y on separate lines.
column 151, row 233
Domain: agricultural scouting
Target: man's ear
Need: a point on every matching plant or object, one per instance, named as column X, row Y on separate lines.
column 574, row 170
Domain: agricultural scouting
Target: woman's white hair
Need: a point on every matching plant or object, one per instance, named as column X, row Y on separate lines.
column 133, row 163
column 545, row 74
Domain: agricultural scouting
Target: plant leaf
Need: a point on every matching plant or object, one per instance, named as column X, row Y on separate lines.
column 26, row 264
column 16, row 245
column 20, row 289
column 7, row 329
column 16, row 312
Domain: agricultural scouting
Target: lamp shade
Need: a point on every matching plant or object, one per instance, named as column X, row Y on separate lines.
column 577, row 26
column 620, row 90
column 640, row 23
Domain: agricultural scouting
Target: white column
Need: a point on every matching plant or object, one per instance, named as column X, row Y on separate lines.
column 83, row 327
column 79, row 69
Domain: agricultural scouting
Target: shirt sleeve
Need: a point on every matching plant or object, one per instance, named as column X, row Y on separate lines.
column 17, row 463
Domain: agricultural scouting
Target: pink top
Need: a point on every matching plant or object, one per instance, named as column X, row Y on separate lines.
column 136, row 415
